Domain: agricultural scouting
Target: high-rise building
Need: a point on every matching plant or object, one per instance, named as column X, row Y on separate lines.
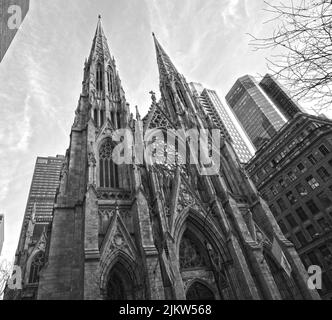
column 217, row 112
column 2, row 231
column 139, row 230
column 293, row 172
column 280, row 97
column 38, row 215
column 12, row 12
column 255, row 111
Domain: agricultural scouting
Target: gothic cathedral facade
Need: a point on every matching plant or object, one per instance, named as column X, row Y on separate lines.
column 157, row 232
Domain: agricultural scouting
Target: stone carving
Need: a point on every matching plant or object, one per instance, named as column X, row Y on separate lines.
column 190, row 256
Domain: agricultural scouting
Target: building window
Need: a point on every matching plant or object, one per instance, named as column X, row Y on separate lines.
column 282, row 183
column 108, row 171
column 99, row 80
column 109, row 80
column 323, row 224
column 313, row 258
column 282, row 205
column 302, row 215
column 323, row 173
column 312, row 231
column 291, row 198
column 313, row 183
column 313, row 207
column 312, row 159
column 291, row 221
column 292, row 176
column 302, row 191
column 36, row 266
column 324, row 151
column 302, row 168
column 118, row 117
column 324, row 200
column 326, row 253
column 301, row 238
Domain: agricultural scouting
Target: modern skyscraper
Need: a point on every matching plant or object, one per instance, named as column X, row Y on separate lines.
column 280, row 97
column 39, row 210
column 257, row 114
column 216, row 110
column 12, row 13
column 140, row 231
column 2, row 231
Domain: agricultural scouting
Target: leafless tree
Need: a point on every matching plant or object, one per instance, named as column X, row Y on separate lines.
column 5, row 273
column 302, row 46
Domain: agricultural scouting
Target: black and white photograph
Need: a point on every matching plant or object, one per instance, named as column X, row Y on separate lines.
column 164, row 155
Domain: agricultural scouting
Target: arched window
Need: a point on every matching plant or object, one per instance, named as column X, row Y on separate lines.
column 118, row 117
column 36, row 265
column 102, row 117
column 109, row 80
column 120, row 284
column 112, row 118
column 99, row 80
column 95, row 117
column 108, row 170
column 191, row 255
column 181, row 96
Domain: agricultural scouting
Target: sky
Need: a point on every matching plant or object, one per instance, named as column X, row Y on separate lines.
column 42, row 72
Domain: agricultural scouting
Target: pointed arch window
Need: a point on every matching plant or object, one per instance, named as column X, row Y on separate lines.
column 99, row 80
column 36, row 266
column 181, row 96
column 118, row 118
column 95, row 117
column 108, row 170
column 102, row 117
column 109, row 80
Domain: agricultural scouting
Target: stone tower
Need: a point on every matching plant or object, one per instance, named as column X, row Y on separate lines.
column 158, row 231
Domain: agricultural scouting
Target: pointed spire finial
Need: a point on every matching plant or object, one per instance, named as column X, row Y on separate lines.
column 99, row 16
column 153, row 96
column 138, row 116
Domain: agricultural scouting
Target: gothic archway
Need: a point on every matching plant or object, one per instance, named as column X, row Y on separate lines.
column 120, row 285
column 36, row 266
column 121, row 278
column 199, row 291
column 108, row 170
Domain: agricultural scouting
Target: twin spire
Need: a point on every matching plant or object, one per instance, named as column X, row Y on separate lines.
column 100, row 50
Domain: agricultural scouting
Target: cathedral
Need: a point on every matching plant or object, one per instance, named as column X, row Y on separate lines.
column 142, row 231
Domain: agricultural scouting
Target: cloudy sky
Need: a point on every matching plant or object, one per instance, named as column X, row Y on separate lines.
column 41, row 75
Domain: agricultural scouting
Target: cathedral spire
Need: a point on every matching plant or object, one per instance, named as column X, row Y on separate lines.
column 165, row 64
column 100, row 49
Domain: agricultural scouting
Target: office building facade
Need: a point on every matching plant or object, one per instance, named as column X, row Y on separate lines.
column 280, row 97
column 293, row 173
column 255, row 111
column 217, row 112
column 38, row 214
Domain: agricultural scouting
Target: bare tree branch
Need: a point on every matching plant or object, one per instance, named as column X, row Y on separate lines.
column 304, row 37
